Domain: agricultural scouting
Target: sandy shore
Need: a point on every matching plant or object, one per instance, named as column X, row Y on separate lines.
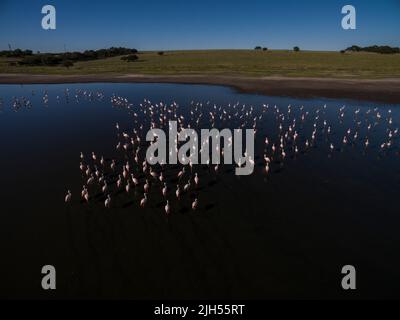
column 379, row 90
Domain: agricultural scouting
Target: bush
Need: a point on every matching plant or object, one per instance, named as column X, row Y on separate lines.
column 342, row 51
column 51, row 59
column 265, row 49
column 257, row 48
column 354, row 48
column 130, row 58
column 376, row 49
column 296, row 49
column 160, row 53
column 67, row 63
column 17, row 53
column 34, row 60
column 41, row 59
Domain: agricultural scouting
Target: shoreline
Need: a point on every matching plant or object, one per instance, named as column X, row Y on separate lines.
column 373, row 90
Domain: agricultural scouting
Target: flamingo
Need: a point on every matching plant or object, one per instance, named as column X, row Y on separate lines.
column 107, row 203
column 84, row 191
column 90, row 180
column 164, row 190
column 144, row 200
column 134, row 180
column 167, row 208
column 153, row 173
column 194, row 204
column 105, row 187
column 146, row 186
column 119, row 181
column 68, row 197
column 187, row 186
column 124, row 172
column 181, row 173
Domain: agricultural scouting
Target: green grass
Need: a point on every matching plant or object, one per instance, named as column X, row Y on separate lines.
column 235, row 62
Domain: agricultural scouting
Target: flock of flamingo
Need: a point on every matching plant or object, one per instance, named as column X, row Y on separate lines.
column 21, row 103
column 132, row 171
column 282, row 133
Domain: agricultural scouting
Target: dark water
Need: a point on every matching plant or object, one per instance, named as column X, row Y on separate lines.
column 282, row 235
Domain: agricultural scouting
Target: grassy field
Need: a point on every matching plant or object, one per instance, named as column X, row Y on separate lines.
column 234, row 62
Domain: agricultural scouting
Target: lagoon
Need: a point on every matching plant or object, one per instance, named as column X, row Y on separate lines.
column 285, row 234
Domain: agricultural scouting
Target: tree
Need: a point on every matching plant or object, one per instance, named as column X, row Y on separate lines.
column 57, row 59
column 296, row 49
column 354, row 48
column 375, row 48
column 257, row 48
column 265, row 49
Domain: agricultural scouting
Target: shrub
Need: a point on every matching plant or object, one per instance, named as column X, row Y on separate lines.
column 51, row 59
column 34, row 60
column 130, row 58
column 375, row 48
column 67, row 63
column 296, row 49
column 257, row 48
column 41, row 59
column 17, row 53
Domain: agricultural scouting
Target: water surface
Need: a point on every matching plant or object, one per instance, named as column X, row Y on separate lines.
column 282, row 235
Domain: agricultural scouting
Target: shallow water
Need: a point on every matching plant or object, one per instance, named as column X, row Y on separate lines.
column 282, row 235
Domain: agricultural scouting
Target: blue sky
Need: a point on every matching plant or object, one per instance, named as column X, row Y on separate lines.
column 203, row 24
